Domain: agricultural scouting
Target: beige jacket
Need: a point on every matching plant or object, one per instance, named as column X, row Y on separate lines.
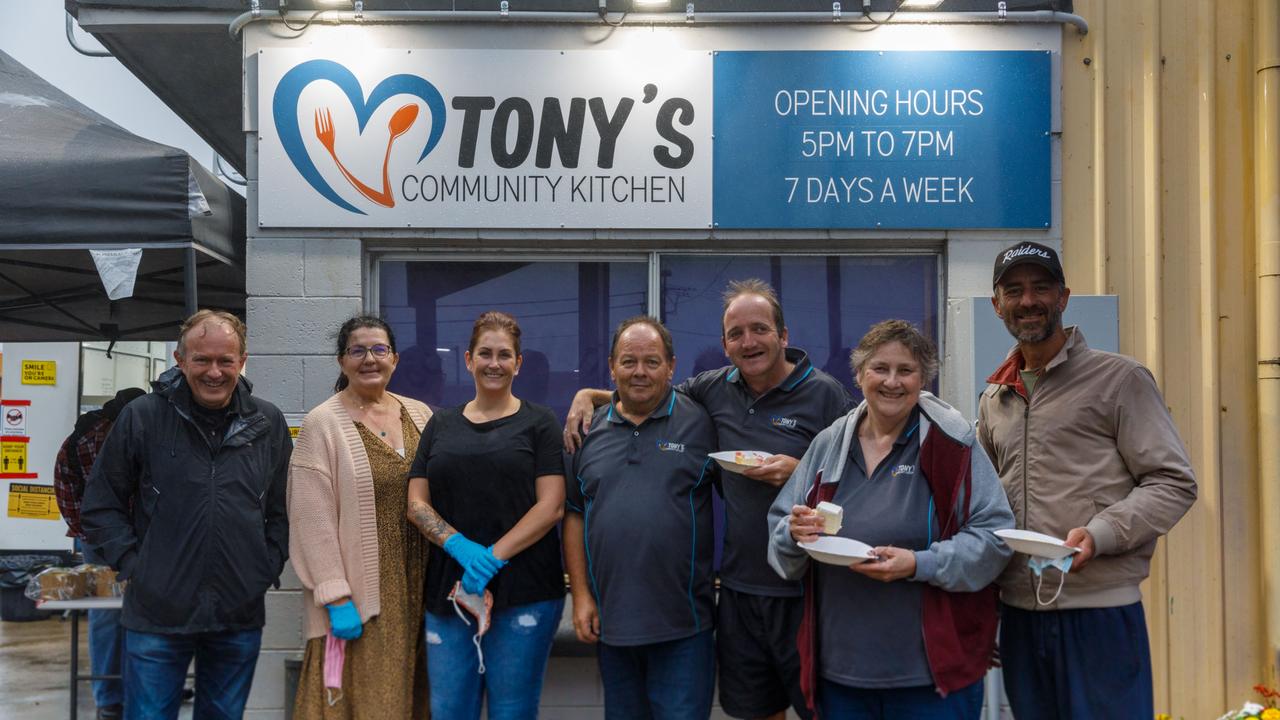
column 333, row 530
column 1095, row 448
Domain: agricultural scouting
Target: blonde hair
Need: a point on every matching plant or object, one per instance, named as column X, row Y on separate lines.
column 217, row 317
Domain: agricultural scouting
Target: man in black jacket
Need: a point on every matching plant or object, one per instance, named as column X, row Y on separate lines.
column 187, row 502
column 75, row 458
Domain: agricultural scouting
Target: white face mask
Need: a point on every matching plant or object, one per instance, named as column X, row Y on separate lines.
column 1039, row 564
column 479, row 607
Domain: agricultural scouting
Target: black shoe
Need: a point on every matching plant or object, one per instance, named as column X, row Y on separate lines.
column 110, row 712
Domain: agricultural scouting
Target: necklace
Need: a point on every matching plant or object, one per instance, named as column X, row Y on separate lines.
column 365, row 415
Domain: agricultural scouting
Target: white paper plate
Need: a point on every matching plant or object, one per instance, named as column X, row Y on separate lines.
column 726, row 457
column 838, row 550
column 1034, row 543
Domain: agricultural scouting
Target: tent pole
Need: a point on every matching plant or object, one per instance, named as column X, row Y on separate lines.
column 189, row 281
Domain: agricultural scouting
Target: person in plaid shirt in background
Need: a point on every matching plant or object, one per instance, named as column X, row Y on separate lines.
column 75, row 460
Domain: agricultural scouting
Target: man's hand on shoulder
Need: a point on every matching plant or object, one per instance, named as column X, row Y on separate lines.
column 578, row 422
column 775, row 471
column 1080, row 538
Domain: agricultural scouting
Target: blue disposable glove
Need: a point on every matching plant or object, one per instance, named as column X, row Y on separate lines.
column 344, row 621
column 472, row 556
column 478, row 575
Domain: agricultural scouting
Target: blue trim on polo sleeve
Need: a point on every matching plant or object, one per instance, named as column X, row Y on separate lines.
column 586, row 545
column 693, row 546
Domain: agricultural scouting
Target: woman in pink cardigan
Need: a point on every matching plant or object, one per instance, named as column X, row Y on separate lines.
column 361, row 564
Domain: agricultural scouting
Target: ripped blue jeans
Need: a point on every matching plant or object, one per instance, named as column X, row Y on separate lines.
column 515, row 659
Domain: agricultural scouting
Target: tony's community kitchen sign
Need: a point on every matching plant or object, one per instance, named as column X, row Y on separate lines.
column 678, row 139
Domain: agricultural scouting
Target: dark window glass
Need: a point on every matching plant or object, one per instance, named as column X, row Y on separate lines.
column 829, row 302
column 566, row 310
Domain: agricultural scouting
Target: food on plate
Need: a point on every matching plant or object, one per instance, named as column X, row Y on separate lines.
column 832, row 517
column 749, row 458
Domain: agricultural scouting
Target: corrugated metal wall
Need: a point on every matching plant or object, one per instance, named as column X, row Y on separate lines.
column 1158, row 208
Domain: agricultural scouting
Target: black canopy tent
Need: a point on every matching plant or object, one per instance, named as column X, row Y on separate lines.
column 71, row 181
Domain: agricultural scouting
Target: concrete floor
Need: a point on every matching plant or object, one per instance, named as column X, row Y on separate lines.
column 35, row 666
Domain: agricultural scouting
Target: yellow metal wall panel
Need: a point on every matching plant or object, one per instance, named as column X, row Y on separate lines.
column 1237, row 411
column 1267, row 272
column 1084, row 189
column 1192, row 561
column 1158, row 186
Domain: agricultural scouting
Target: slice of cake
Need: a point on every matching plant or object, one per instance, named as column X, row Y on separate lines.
column 832, row 517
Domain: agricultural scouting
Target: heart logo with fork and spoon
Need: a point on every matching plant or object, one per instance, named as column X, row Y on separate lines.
column 284, row 109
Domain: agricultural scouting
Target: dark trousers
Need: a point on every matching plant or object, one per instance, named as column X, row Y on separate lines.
column 1090, row 664
column 106, row 646
column 158, row 669
column 841, row 702
column 671, row 680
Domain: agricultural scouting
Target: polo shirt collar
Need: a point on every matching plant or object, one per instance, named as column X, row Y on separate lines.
column 664, row 409
column 802, row 371
column 908, row 431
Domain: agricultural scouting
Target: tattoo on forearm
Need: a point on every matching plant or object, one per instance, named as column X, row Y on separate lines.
column 429, row 522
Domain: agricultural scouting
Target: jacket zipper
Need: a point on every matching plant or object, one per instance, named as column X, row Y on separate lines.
column 1026, row 441
column 204, row 580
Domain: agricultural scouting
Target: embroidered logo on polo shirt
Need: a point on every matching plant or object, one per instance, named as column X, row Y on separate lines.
column 903, row 470
column 666, row 446
column 782, row 422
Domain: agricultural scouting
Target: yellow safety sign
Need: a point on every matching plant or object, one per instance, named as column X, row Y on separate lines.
column 39, row 372
column 33, row 502
column 13, row 457
column 293, row 431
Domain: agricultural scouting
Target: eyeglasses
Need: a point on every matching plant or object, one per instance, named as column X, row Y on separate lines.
column 357, row 352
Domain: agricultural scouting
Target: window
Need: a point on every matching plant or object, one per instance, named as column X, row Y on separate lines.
column 567, row 311
column 829, row 302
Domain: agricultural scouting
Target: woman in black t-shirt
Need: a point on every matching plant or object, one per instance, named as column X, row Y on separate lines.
column 487, row 489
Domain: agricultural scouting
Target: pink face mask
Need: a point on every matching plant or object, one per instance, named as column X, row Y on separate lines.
column 335, row 656
column 477, row 606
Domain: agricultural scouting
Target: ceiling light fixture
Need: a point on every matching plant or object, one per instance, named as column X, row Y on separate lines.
column 919, row 4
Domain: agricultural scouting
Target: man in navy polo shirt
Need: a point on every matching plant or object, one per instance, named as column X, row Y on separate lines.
column 638, row 537
column 771, row 399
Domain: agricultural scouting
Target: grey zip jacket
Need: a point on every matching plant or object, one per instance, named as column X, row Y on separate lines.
column 1095, row 447
column 968, row 561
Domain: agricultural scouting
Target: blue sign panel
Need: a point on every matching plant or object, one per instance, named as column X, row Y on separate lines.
column 882, row 139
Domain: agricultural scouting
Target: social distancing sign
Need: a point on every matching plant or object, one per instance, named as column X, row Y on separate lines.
column 13, row 457
column 33, row 502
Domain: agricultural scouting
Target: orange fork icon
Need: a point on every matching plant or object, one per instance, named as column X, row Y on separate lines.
column 399, row 124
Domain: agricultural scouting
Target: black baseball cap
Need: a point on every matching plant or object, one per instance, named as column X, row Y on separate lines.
column 1028, row 252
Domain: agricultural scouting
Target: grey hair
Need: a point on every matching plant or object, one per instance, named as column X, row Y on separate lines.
column 882, row 333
